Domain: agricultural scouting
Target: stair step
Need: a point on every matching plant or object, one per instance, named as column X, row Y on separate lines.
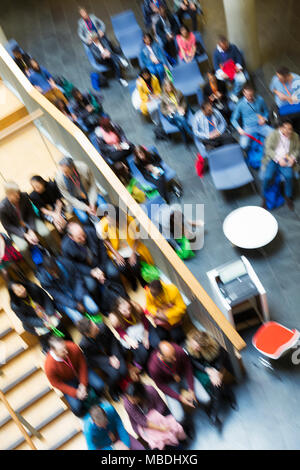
column 60, row 431
column 17, row 367
column 20, row 379
column 64, row 440
column 5, row 324
column 12, row 346
column 10, row 433
column 78, row 442
column 5, row 332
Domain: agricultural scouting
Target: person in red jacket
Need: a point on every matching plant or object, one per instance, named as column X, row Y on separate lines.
column 170, row 368
column 67, row 370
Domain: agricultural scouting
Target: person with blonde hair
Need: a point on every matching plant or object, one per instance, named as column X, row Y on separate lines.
column 210, row 362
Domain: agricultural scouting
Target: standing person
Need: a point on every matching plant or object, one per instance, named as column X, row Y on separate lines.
column 153, row 58
column 77, row 185
column 104, row 430
column 149, row 92
column 215, row 91
column 187, row 46
column 67, row 370
column 103, row 351
column 166, row 306
column 47, row 199
column 131, row 324
column 113, row 144
column 229, row 65
column 171, row 369
column 89, row 25
column 106, row 53
column 282, row 151
column 43, row 81
column 175, row 109
column 250, row 116
column 190, row 8
column 167, row 29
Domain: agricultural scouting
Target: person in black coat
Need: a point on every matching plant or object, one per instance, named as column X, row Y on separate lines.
column 112, row 152
column 167, row 29
column 215, row 91
column 84, row 109
column 103, row 351
column 62, row 280
column 87, row 251
column 105, row 53
column 36, row 310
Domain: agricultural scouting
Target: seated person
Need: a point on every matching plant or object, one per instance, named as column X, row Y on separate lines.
column 187, row 45
column 9, row 257
column 282, row 151
column 215, row 91
column 150, row 11
column 104, row 430
column 250, row 116
column 129, row 321
column 228, row 58
column 89, row 25
column 66, row 110
column 152, row 57
column 105, row 53
column 88, row 253
column 47, row 199
column 43, row 81
column 112, row 141
column 103, row 351
column 149, row 164
column 35, row 309
column 149, row 91
column 62, row 280
column 175, row 109
column 286, row 88
column 210, row 363
column 87, row 109
column 22, row 59
column 210, row 128
column 187, row 7
column 20, row 222
column 167, row 29
column 123, row 172
column 150, row 418
column 120, row 235
column 77, row 185
column 67, row 370
column 171, row 369
column 166, row 307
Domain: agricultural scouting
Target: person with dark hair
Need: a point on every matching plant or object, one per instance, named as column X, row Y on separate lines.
column 149, row 94
column 250, row 116
column 285, row 86
column 188, row 7
column 229, row 65
column 89, row 25
column 124, row 174
column 103, row 351
column 165, row 305
column 77, row 185
column 47, row 199
column 153, row 58
column 149, row 164
column 150, row 12
column 187, row 45
column 67, row 370
column 36, row 310
column 210, row 128
column 167, row 28
column 130, row 322
column 43, row 81
column 22, row 59
column 113, row 144
column 104, row 430
column 215, row 91
column 105, row 53
column 87, row 108
column 101, row 277
column 62, row 280
column 282, row 152
column 64, row 108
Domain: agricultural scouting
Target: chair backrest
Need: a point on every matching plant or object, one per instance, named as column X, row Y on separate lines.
column 226, row 157
column 89, row 55
column 184, row 71
column 124, row 22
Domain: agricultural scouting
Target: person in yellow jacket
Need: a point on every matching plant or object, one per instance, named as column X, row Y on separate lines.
column 165, row 305
column 149, row 92
column 118, row 232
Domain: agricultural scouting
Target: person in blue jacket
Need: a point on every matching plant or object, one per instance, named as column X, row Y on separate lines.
column 104, row 430
column 153, row 58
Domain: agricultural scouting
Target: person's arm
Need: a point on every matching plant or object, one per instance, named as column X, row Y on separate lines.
column 176, row 312
column 28, row 215
column 100, row 25
column 237, row 57
column 32, row 321
column 263, row 108
column 197, row 364
column 87, row 431
column 270, row 147
column 186, row 367
column 158, row 377
column 82, row 32
column 199, row 131
column 46, row 302
column 236, row 116
column 82, row 368
column 92, row 192
column 119, row 428
column 216, row 60
column 9, row 224
column 221, row 123
column 57, row 382
column 73, row 201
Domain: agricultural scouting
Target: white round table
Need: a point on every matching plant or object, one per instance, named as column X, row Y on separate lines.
column 250, row 227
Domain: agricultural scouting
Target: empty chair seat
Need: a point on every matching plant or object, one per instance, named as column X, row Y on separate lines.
column 273, row 339
column 131, row 43
column 187, row 78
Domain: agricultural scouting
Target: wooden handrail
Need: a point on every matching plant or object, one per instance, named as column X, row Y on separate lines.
column 17, row 421
column 180, row 268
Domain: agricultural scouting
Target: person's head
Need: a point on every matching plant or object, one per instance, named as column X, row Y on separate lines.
column 184, row 31
column 283, row 74
column 76, row 233
column 67, row 166
column 12, row 192
column 34, row 65
column 77, row 95
column 58, row 346
column 106, row 124
column 38, row 184
column 162, row 11
column 201, row 343
column 248, row 92
column 286, row 128
column 136, row 393
column 99, row 417
column 17, row 52
column 156, row 288
column 166, row 352
column 122, row 171
column 83, row 13
column 148, row 39
column 123, row 307
column 223, row 42
column 115, row 217
column 145, row 74
column 207, row 108
column 211, row 75
column 168, row 87
column 140, row 152
column 17, row 290
column 87, row 327
column 61, row 105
